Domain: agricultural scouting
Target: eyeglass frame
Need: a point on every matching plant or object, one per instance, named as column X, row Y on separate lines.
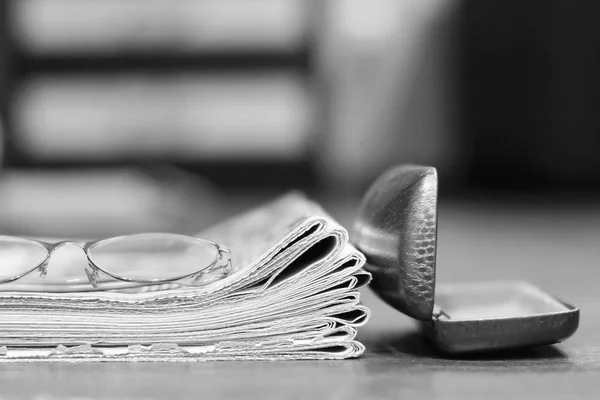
column 93, row 270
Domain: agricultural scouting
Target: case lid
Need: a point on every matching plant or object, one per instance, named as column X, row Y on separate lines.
column 396, row 228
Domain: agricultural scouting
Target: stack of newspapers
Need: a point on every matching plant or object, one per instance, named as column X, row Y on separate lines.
column 293, row 294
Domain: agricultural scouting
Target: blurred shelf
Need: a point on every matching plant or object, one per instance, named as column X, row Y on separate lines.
column 251, row 116
column 159, row 26
column 220, row 87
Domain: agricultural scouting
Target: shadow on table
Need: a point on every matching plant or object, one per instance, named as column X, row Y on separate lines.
column 414, row 348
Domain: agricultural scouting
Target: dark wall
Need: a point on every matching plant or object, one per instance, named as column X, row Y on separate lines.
column 530, row 79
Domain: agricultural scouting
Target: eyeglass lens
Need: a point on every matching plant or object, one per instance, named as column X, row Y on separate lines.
column 152, row 256
column 19, row 256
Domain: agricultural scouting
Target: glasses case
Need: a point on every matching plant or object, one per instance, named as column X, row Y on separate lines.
column 396, row 229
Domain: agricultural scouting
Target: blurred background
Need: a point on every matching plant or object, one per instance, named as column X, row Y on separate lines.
column 153, row 115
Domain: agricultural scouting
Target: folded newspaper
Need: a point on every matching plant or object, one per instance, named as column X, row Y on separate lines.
column 293, row 294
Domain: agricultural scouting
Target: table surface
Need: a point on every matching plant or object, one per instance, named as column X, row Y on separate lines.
column 556, row 249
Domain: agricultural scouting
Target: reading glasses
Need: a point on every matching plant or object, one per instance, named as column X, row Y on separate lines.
column 118, row 262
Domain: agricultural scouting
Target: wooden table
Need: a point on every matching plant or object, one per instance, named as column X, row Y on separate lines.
column 557, row 249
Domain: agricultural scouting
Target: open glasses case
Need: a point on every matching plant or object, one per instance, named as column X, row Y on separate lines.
column 396, row 229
